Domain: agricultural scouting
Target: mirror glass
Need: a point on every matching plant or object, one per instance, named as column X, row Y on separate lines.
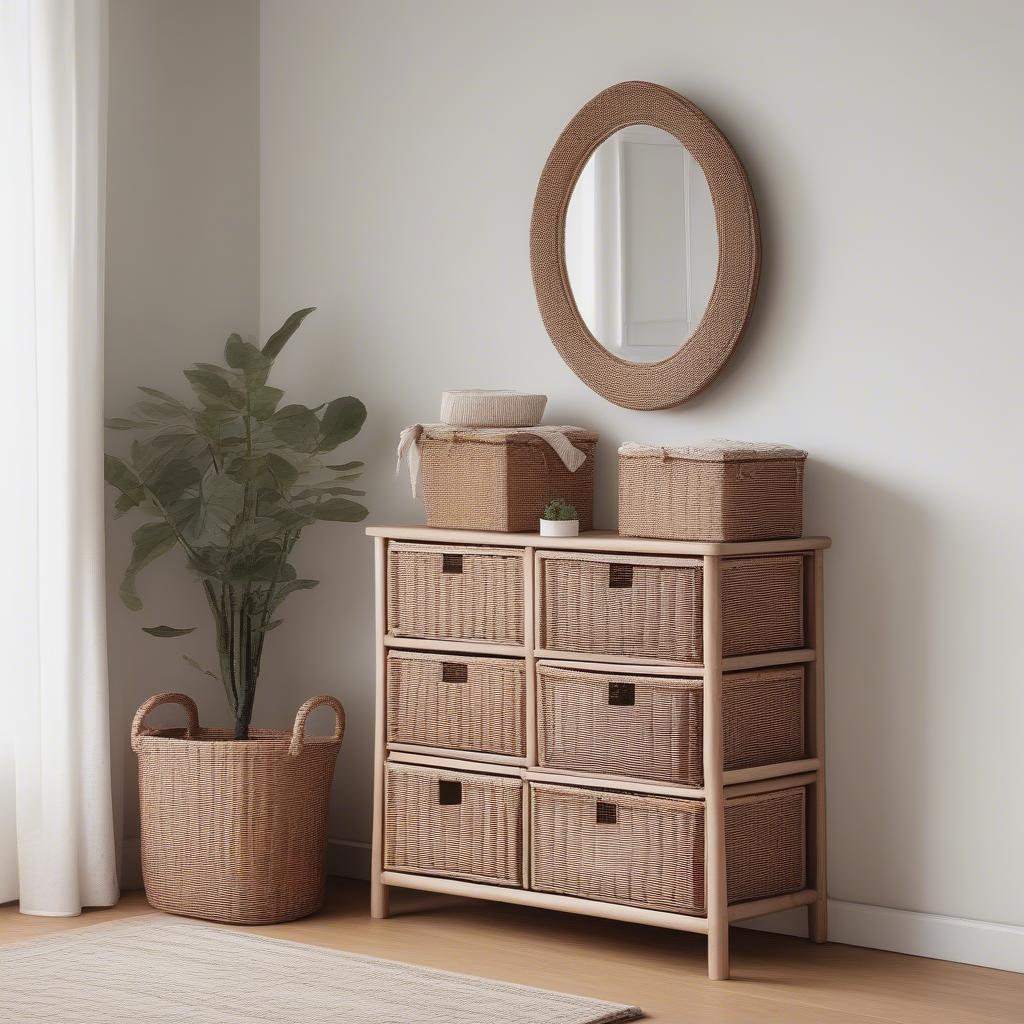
column 641, row 246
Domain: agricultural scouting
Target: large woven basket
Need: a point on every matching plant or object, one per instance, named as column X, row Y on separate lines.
column 651, row 607
column 446, row 592
column 457, row 702
column 715, row 491
column 494, row 480
column 453, row 824
column 649, row 851
column 235, row 830
column 651, row 727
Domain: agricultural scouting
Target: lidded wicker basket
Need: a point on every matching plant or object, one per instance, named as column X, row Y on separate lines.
column 235, row 830
column 712, row 491
column 501, row 479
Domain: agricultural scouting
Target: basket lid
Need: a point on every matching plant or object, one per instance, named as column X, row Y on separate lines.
column 503, row 435
column 716, row 449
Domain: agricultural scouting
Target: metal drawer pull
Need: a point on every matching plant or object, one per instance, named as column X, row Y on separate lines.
column 607, row 814
column 454, row 672
column 451, row 563
column 620, row 576
column 622, row 695
column 449, row 791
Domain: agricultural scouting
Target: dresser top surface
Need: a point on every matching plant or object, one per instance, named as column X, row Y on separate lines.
column 598, row 540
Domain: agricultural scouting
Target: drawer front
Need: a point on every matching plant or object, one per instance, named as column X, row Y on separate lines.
column 650, row 608
column 453, row 824
column 649, row 851
column 617, row 847
column 443, row 592
column 619, row 606
column 651, row 727
column 457, row 702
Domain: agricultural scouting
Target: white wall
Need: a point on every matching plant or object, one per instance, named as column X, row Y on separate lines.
column 400, row 148
column 182, row 274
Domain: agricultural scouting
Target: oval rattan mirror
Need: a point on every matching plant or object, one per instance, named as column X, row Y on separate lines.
column 640, row 270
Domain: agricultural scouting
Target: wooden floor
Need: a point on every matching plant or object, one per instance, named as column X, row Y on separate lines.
column 776, row 980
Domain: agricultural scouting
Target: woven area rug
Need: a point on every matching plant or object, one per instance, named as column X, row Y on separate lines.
column 157, row 970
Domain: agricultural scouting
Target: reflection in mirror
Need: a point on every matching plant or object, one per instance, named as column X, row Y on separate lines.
column 641, row 246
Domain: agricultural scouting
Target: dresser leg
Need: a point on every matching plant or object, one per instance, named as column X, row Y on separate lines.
column 817, row 921
column 380, row 900
column 718, row 954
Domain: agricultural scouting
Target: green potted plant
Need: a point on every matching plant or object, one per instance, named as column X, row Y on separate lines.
column 233, row 821
column 559, row 519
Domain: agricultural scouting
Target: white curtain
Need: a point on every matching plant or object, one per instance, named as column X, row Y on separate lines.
column 56, row 835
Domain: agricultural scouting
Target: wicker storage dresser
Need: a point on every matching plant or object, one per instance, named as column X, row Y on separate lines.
column 457, row 702
column 623, row 728
column 648, row 851
column 498, row 479
column 715, row 491
column 650, row 608
column 455, row 824
column 651, row 727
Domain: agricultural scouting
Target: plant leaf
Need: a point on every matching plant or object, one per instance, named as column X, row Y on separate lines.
column 297, row 426
column 195, row 664
column 119, row 474
column 220, row 507
column 343, row 418
column 290, row 587
column 346, row 467
column 118, row 423
column 283, row 472
column 242, row 355
column 278, row 339
column 340, row 510
column 263, row 401
column 172, row 479
column 149, row 543
column 167, row 631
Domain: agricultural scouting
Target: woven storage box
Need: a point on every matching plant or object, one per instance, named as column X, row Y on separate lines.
column 463, row 703
column 716, row 491
column 649, row 851
column 500, row 480
column 440, row 591
column 453, row 824
column 234, row 830
column 651, row 727
column 651, row 608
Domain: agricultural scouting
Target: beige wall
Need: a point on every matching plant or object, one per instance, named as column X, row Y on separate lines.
column 401, row 145
column 182, row 274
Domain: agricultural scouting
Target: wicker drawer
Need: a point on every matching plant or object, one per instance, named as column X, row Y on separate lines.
column 463, row 703
column 440, row 591
column 649, row 851
column 651, row 726
column 651, row 608
column 453, row 824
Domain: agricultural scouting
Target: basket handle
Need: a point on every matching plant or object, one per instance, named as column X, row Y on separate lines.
column 166, row 698
column 299, row 731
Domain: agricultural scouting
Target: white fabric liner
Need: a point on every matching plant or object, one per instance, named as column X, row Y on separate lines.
column 165, row 970
column 557, row 437
column 717, row 449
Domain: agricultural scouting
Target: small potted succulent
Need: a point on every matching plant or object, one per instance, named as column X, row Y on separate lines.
column 559, row 519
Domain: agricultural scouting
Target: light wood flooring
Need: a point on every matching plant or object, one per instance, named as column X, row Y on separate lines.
column 776, row 980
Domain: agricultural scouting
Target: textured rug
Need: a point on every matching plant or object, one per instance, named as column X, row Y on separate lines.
column 158, row 970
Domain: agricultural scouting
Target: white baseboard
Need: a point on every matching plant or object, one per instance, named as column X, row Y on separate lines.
column 935, row 936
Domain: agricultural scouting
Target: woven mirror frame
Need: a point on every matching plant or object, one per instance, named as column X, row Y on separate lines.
column 701, row 358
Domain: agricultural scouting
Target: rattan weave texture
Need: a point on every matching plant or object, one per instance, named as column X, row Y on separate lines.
column 453, row 824
column 651, row 727
column 651, row 607
column 664, row 496
column 649, row 851
column 234, row 831
column 702, row 357
column 502, row 483
column 443, row 591
column 459, row 702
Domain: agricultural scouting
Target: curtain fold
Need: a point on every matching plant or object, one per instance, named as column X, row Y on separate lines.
column 57, row 850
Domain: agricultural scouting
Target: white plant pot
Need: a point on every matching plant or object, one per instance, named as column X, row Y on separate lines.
column 559, row 527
